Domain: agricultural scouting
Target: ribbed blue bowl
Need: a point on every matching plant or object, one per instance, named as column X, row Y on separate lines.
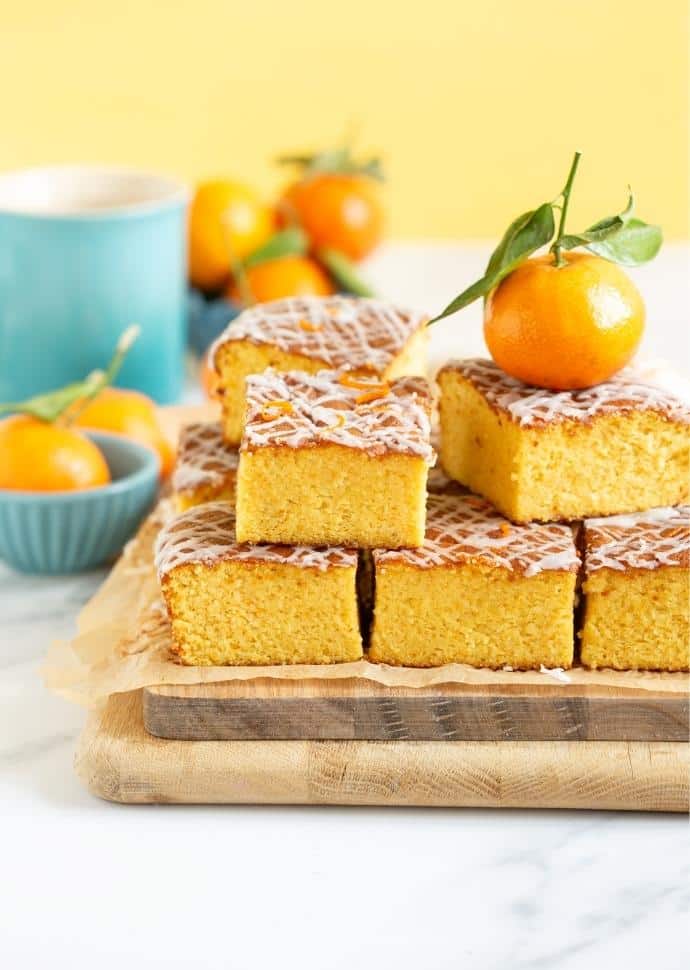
column 64, row 532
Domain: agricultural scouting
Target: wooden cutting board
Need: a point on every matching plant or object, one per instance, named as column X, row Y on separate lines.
column 118, row 760
column 364, row 710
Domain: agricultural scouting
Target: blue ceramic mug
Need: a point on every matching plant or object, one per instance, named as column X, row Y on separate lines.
column 84, row 252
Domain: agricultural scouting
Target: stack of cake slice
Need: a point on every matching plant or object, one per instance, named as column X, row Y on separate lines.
column 330, row 461
column 618, row 451
column 326, row 540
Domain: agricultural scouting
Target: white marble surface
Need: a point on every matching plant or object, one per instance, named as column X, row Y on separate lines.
column 85, row 884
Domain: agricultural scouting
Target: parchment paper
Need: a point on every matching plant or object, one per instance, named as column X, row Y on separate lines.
column 123, row 643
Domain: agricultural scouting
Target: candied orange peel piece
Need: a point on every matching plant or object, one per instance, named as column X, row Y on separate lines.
column 309, row 326
column 373, row 395
column 339, row 422
column 505, row 529
column 360, row 383
column 284, row 407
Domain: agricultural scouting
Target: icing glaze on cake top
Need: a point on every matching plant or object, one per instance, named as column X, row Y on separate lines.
column 344, row 332
column 463, row 529
column 203, row 457
column 642, row 540
column 534, row 407
column 297, row 410
column 205, row 535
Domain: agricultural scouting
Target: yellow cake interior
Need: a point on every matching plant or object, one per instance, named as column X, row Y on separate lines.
column 631, row 461
column 637, row 619
column 331, row 495
column 234, row 612
column 470, row 613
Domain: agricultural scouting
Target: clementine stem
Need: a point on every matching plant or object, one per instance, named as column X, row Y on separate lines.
column 556, row 248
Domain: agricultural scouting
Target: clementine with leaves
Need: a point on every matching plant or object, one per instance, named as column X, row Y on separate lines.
column 337, row 202
column 227, row 221
column 277, row 278
column 564, row 320
column 564, row 327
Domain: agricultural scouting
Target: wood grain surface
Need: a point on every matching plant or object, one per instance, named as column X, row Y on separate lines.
column 364, row 710
column 118, row 760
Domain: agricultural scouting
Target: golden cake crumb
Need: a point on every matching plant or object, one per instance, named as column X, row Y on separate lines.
column 637, row 591
column 479, row 591
column 621, row 446
column 205, row 467
column 235, row 604
column 335, row 468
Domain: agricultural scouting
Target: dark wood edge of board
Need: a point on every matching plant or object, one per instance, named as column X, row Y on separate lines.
column 358, row 710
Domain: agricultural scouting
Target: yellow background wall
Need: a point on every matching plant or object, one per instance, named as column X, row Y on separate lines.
column 476, row 107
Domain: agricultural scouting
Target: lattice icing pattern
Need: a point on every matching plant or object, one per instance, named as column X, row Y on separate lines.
column 463, row 529
column 205, row 535
column 299, row 410
column 343, row 332
column 534, row 407
column 203, row 458
column 642, row 540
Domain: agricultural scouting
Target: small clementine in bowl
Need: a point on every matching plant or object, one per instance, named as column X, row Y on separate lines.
column 227, row 220
column 277, row 278
column 564, row 327
column 129, row 413
column 39, row 456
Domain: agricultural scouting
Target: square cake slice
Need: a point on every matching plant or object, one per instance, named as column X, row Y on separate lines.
column 206, row 466
column 332, row 459
column 621, row 446
column 235, row 604
column 480, row 591
column 311, row 334
column 637, row 591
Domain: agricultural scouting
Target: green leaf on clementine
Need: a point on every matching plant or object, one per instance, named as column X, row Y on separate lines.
column 525, row 235
column 289, row 242
column 343, row 272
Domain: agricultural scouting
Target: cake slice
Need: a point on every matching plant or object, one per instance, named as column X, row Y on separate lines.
column 480, row 591
column 332, row 459
column 637, row 591
column 205, row 468
column 365, row 336
column 236, row 604
column 621, row 446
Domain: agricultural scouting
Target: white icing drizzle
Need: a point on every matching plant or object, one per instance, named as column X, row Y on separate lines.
column 643, row 540
column 322, row 410
column 205, row 535
column 557, row 673
column 203, row 458
column 466, row 529
column 534, row 406
column 342, row 331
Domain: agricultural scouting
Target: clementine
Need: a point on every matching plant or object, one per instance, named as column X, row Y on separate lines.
column 287, row 276
column 39, row 456
column 564, row 327
column 341, row 211
column 128, row 413
column 227, row 220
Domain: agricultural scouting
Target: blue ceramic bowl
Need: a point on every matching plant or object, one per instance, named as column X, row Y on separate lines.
column 64, row 532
